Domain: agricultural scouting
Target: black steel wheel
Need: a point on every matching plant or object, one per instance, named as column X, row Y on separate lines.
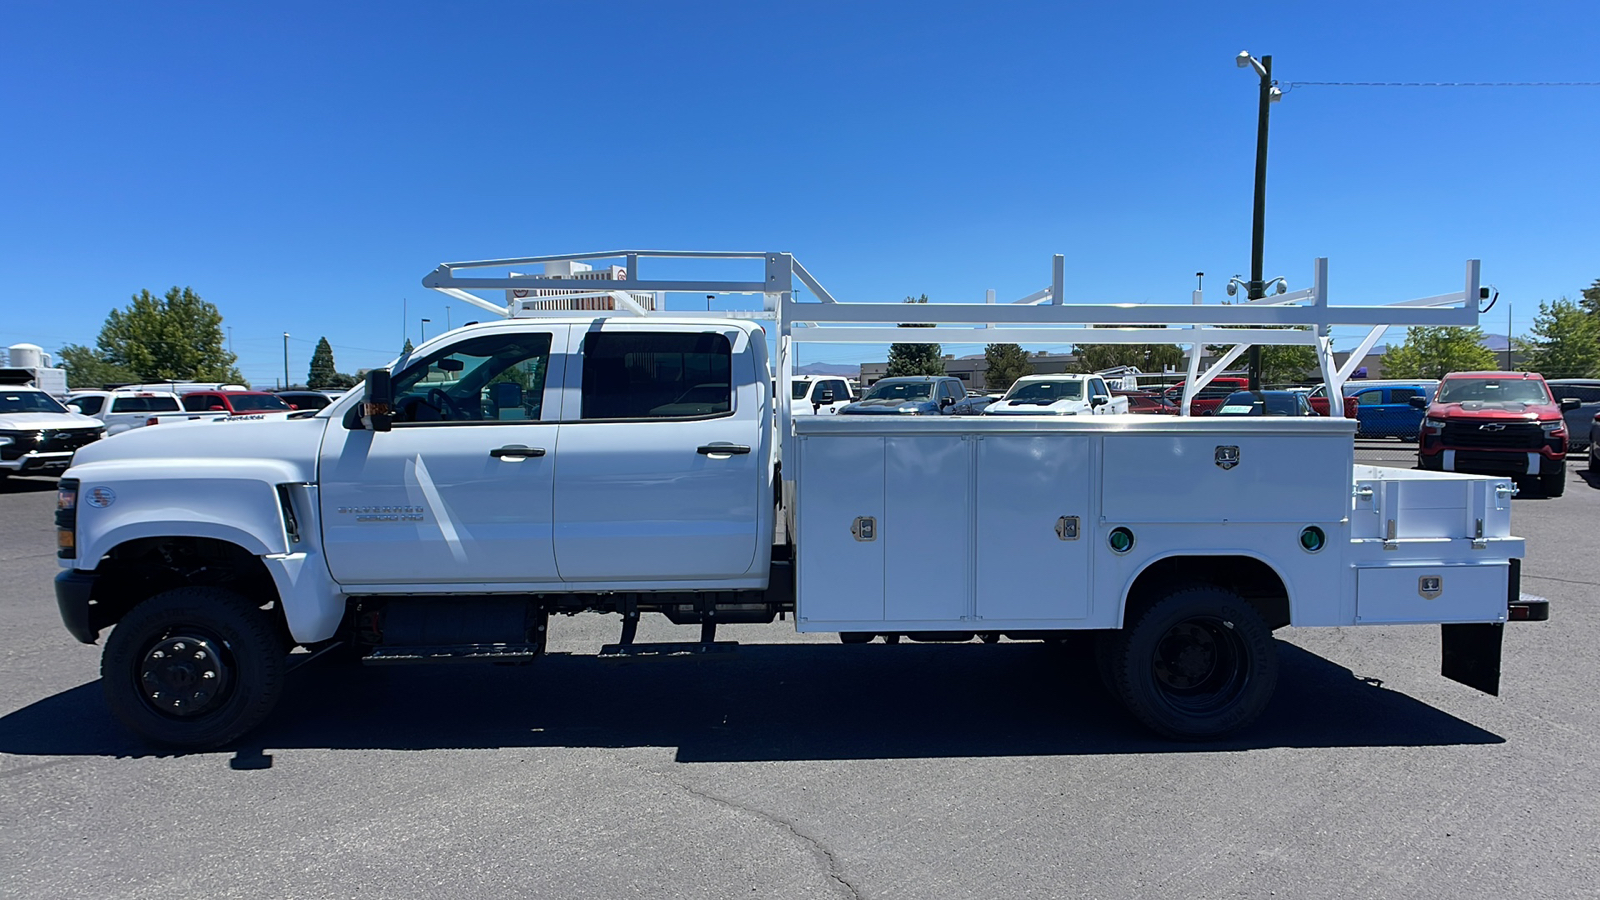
column 1200, row 664
column 193, row 667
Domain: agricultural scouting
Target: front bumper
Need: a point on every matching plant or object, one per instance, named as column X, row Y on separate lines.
column 35, row 462
column 1481, row 461
column 73, row 590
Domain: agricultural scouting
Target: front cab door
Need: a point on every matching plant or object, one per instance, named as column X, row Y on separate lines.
column 460, row 492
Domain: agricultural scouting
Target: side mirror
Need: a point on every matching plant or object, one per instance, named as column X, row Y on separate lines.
column 1099, row 401
column 945, row 402
column 216, row 407
column 377, row 401
column 823, row 397
column 1570, row 403
column 1418, row 402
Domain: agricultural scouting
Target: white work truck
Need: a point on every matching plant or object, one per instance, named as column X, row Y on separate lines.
column 1058, row 395
column 630, row 461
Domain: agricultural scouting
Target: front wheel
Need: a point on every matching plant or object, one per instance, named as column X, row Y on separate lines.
column 1200, row 664
column 1594, row 461
column 1554, row 484
column 193, row 668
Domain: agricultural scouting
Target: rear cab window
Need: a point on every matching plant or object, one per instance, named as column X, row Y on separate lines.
column 656, row 375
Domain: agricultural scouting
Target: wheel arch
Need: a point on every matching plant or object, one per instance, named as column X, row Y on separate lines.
column 138, row 568
column 1246, row 574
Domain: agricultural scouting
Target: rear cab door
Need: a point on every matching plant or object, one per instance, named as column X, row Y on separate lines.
column 662, row 467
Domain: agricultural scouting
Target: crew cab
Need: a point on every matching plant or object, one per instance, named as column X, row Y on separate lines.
column 122, row 410
column 818, row 395
column 626, row 462
column 1058, row 395
column 38, row 435
column 235, row 403
column 1496, row 423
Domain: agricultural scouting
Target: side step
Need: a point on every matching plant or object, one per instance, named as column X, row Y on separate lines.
column 668, row 648
column 452, row 653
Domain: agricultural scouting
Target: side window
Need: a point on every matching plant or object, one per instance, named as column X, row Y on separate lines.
column 196, row 402
column 1097, row 388
column 656, row 375
column 1403, row 395
column 1583, row 394
column 1370, row 398
column 841, row 391
column 488, row 378
column 89, row 405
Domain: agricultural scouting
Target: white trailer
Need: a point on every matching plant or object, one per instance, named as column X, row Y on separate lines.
column 627, row 460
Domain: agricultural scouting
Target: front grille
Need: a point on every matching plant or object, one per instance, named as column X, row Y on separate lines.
column 54, row 441
column 50, row 440
column 1512, row 436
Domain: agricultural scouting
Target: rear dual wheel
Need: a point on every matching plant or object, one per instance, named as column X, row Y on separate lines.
column 1198, row 665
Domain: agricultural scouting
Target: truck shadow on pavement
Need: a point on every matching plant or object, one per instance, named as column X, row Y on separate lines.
column 765, row 702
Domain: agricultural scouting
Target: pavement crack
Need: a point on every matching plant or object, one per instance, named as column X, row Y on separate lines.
column 1562, row 580
column 829, row 862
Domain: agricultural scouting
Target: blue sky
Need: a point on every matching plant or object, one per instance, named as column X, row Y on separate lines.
column 304, row 165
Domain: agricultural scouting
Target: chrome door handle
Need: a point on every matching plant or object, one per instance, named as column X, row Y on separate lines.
column 733, row 449
column 516, row 451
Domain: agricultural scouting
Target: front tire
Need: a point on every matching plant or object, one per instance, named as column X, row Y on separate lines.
column 193, row 668
column 1594, row 462
column 1199, row 665
column 1554, row 484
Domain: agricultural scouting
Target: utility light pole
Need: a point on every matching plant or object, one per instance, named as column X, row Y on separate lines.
column 424, row 330
column 1255, row 287
column 286, row 359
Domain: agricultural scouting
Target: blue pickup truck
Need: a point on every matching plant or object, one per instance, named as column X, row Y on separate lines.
column 1384, row 409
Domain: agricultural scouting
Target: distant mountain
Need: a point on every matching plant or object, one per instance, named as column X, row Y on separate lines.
column 1495, row 342
column 829, row 369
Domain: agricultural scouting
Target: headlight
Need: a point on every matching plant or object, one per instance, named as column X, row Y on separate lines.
column 1432, row 423
column 1553, row 427
column 5, row 442
column 1067, row 412
column 908, row 409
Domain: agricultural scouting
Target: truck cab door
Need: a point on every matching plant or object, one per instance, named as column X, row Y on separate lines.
column 663, row 464
column 460, row 492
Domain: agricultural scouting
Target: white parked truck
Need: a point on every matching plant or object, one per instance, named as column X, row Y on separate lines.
column 1058, row 395
column 626, row 461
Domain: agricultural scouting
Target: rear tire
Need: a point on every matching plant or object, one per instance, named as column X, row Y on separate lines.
column 856, row 637
column 1199, row 665
column 193, row 668
column 1554, row 484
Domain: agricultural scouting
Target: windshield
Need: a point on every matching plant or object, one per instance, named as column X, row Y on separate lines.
column 798, row 390
column 256, row 403
column 1268, row 403
column 1493, row 390
column 904, row 390
column 29, row 402
column 1045, row 391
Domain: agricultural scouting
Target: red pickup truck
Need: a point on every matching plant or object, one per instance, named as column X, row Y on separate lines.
column 1210, row 397
column 1496, row 423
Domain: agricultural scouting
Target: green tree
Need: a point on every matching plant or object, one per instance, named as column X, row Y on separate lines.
column 1286, row 364
column 323, row 371
column 1434, row 352
column 915, row 359
column 1565, row 341
column 1591, row 299
column 1004, row 364
column 176, row 337
column 85, row 368
column 407, row 348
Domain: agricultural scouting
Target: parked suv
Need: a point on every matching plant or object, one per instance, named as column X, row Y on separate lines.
column 233, row 402
column 123, row 410
column 921, row 395
column 1587, row 392
column 1496, row 423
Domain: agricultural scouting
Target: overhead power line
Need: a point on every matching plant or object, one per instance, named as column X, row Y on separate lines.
column 1290, row 85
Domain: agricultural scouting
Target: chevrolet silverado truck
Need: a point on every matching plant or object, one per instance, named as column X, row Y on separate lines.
column 1496, row 423
column 627, row 461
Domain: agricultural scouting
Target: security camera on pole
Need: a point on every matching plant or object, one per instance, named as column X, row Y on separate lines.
column 1255, row 287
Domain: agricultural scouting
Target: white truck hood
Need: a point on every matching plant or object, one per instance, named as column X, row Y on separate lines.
column 1029, row 408
column 34, row 421
column 291, row 442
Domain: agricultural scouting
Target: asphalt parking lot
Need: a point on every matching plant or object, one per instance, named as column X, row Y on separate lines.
column 799, row 767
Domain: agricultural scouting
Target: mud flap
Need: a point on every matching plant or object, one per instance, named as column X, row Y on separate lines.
column 1472, row 655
